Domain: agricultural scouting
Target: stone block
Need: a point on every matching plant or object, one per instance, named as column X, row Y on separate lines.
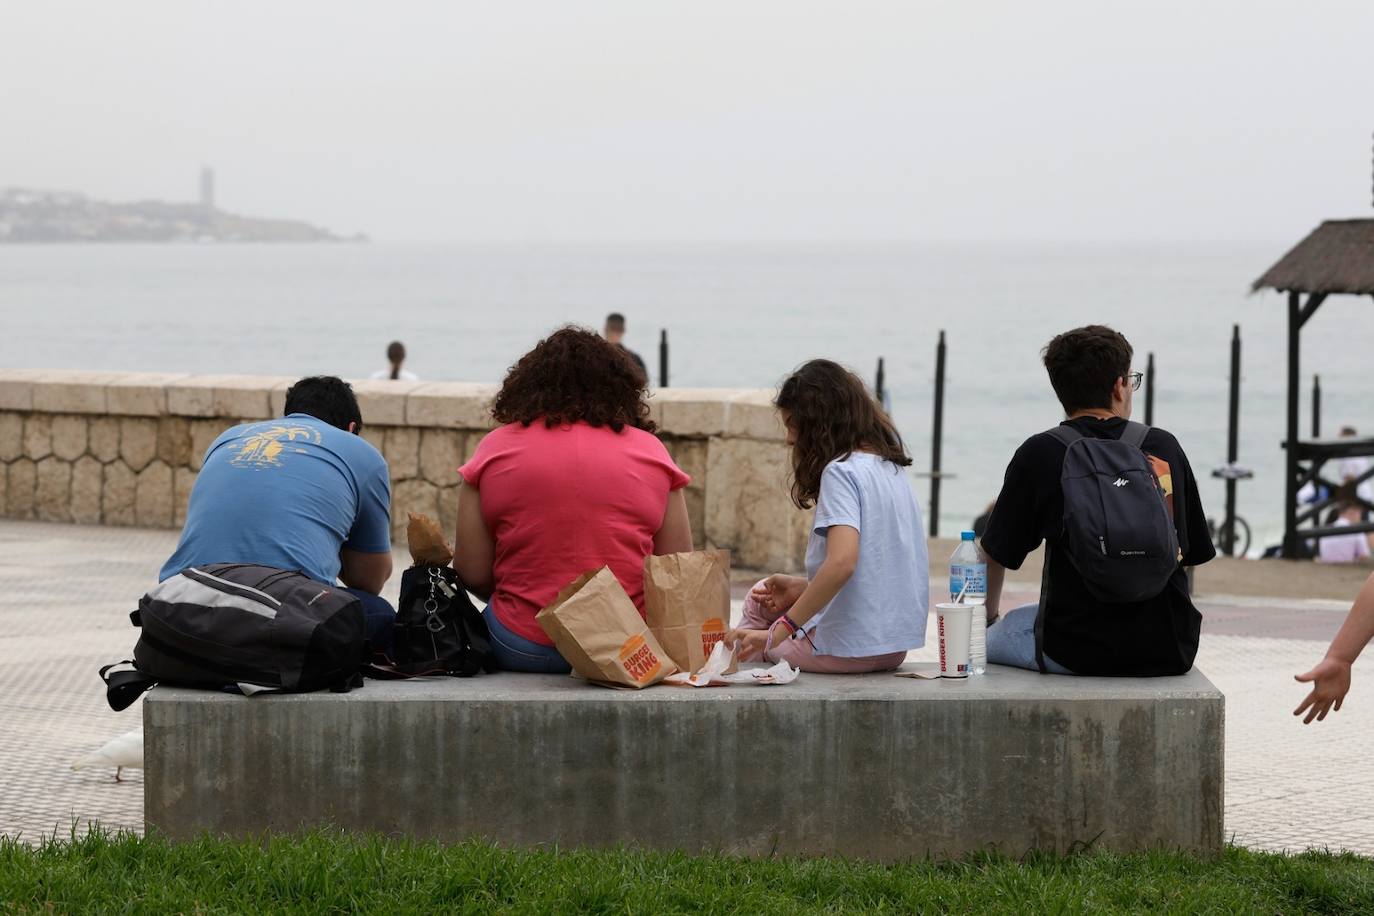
column 21, row 488
column 72, row 391
column 16, row 388
column 183, row 480
column 1019, row 761
column 117, row 494
column 383, row 402
column 137, row 441
column 52, row 500
column 751, row 415
column 192, row 396
column 140, row 394
column 402, row 452
column 453, row 405
column 276, row 398
column 69, row 436
column 470, row 447
column 153, row 497
column 38, row 436
column 418, row 496
column 748, row 510
column 174, row 441
column 441, row 452
column 203, row 434
column 692, row 411
column 103, row 438
column 11, row 435
column 448, row 511
column 4, row 490
column 87, row 475
column 249, row 396
column 375, row 436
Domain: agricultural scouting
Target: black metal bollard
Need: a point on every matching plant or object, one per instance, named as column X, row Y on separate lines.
column 878, row 383
column 1228, row 529
column 1150, row 389
column 1316, row 407
column 936, row 436
column 663, row 358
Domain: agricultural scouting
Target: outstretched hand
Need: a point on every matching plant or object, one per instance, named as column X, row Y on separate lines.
column 1330, row 683
column 778, row 592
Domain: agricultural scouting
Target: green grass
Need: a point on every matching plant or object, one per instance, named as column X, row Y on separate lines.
column 325, row 872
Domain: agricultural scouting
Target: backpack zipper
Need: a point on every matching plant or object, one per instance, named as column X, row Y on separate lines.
column 200, row 574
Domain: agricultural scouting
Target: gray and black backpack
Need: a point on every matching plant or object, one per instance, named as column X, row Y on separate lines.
column 243, row 627
column 1117, row 531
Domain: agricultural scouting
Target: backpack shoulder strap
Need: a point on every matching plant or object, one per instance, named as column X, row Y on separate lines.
column 123, row 687
column 1135, row 433
column 1065, row 434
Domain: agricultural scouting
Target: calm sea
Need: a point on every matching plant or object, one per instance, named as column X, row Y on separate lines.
column 738, row 315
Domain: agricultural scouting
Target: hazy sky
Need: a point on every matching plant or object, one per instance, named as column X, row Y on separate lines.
column 578, row 119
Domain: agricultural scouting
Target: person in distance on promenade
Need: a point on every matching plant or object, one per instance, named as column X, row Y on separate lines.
column 1090, row 371
column 863, row 603
column 1330, row 679
column 615, row 334
column 395, row 356
column 573, row 480
column 303, row 492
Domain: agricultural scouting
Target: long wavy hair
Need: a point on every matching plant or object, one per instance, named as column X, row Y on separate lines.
column 834, row 416
column 571, row 375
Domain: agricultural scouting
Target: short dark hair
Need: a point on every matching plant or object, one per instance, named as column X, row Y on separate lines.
column 326, row 398
column 571, row 375
column 615, row 321
column 1085, row 363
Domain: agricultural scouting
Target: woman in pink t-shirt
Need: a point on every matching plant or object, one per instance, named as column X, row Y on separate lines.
column 572, row 481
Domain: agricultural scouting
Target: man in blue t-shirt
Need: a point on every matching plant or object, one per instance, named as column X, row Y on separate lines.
column 304, row 492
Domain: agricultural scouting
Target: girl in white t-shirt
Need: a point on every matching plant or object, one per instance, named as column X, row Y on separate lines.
column 862, row 605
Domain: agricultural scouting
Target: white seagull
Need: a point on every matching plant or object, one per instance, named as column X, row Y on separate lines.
column 121, row 752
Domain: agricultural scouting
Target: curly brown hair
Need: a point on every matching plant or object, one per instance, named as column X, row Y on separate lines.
column 834, row 416
column 571, row 375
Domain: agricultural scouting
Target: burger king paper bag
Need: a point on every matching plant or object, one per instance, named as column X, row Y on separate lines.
column 687, row 603
column 597, row 629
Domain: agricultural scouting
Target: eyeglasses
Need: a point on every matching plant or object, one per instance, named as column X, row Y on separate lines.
column 1135, row 378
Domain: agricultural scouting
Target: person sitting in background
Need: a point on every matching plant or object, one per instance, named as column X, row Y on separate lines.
column 863, row 603
column 1075, row 633
column 615, row 333
column 572, row 481
column 1352, row 469
column 1330, row 679
column 396, row 355
column 1344, row 548
column 304, row 492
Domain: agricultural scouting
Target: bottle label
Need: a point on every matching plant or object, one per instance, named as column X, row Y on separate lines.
column 975, row 575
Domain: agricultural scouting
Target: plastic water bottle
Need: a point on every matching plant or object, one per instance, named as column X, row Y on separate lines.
column 968, row 575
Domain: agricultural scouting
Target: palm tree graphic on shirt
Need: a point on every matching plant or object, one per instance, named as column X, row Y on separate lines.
column 264, row 448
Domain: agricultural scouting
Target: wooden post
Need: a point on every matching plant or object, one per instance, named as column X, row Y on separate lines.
column 936, row 435
column 1316, row 407
column 1150, row 389
column 663, row 358
column 1228, row 527
column 1290, row 547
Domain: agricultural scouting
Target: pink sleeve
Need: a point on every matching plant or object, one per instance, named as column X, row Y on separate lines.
column 677, row 478
column 472, row 470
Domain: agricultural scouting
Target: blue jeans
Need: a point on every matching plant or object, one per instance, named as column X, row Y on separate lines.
column 1011, row 641
column 516, row 653
column 379, row 616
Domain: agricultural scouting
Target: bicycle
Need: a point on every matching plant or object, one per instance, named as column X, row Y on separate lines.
column 1240, row 544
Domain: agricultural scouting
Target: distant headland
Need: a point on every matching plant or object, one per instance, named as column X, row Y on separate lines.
column 64, row 216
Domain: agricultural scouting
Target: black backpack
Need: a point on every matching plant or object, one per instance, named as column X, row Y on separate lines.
column 1117, row 531
column 245, row 627
column 438, row 631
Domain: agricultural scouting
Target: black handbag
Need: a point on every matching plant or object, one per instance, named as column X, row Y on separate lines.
column 438, row 630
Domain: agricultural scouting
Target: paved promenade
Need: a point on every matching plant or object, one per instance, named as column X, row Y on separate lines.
column 65, row 594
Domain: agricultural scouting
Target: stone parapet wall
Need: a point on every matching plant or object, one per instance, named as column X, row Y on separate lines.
column 123, row 448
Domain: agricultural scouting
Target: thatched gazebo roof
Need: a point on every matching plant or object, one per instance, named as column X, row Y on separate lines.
column 1336, row 257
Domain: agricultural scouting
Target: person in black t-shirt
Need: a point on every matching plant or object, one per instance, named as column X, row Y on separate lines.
column 1090, row 370
column 615, row 333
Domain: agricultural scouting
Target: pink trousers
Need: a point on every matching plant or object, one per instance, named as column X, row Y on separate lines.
column 800, row 653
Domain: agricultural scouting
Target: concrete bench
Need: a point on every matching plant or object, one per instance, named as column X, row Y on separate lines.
column 870, row 766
